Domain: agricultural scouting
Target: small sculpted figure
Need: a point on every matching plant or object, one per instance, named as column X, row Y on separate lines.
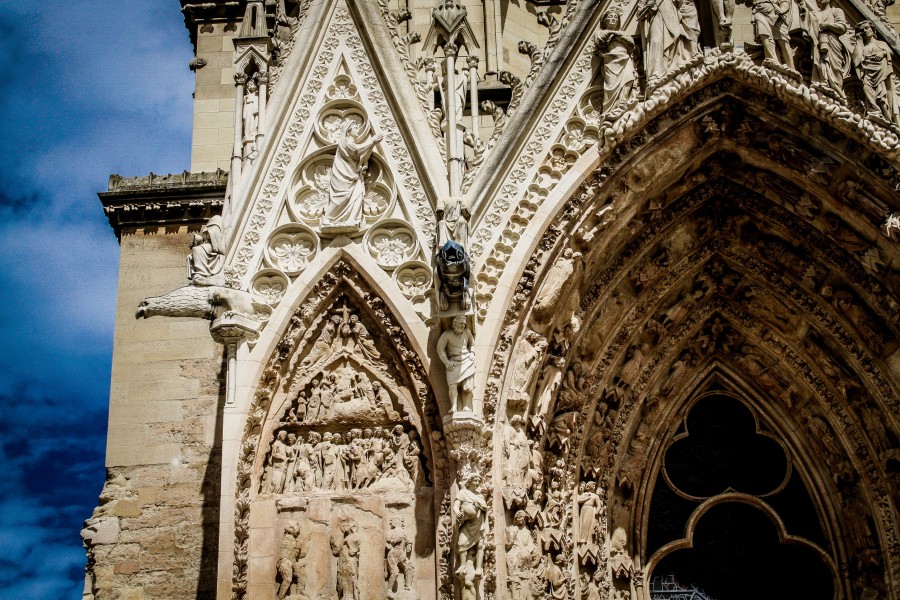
column 670, row 30
column 616, row 48
column 453, row 223
column 590, row 510
column 831, row 50
column 517, row 455
column 207, row 252
column 278, row 462
column 874, row 66
column 455, row 349
column 550, row 297
column 347, row 187
column 555, row 578
column 723, row 14
column 771, row 26
column 522, row 557
column 251, row 112
column 346, row 547
column 399, row 550
column 470, row 519
column 452, row 271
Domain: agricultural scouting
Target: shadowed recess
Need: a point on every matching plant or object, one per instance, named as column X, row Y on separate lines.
column 722, row 451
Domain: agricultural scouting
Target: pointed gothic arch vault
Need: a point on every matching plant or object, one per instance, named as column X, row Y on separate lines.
column 705, row 340
column 341, row 443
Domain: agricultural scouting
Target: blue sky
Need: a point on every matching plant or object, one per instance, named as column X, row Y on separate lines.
column 88, row 88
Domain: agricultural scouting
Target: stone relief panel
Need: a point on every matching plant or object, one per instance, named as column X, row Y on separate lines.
column 349, row 549
column 291, row 248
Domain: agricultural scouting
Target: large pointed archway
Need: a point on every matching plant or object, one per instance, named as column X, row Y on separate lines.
column 729, row 249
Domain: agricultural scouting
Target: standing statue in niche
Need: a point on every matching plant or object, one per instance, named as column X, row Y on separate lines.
column 455, row 349
column 772, row 20
column 347, row 189
column 590, row 507
column 291, row 564
column 470, row 519
column 207, row 253
column 251, row 115
column 616, row 49
column 830, row 49
column 346, row 547
column 874, row 66
column 399, row 550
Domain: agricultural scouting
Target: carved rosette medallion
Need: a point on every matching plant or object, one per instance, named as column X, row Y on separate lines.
column 391, row 243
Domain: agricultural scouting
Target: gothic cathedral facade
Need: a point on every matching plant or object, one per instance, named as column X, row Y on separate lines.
column 514, row 299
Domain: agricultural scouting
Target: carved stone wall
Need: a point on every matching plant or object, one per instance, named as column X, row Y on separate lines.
column 666, row 300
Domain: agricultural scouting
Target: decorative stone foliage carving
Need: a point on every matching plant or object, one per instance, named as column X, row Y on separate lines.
column 335, row 116
column 270, row 284
column 391, row 243
column 413, row 278
column 291, row 247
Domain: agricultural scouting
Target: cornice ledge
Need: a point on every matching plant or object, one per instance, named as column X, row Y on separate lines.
column 156, row 200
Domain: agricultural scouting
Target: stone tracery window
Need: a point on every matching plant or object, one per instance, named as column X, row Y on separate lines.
column 731, row 517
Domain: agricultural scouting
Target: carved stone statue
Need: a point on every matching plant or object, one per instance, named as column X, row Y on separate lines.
column 454, row 348
column 522, row 557
column 346, row 547
column 453, row 222
column 831, row 48
column 291, row 564
column 347, row 187
column 529, row 352
column 670, row 30
column 399, row 550
column 207, row 253
column 616, row 48
column 555, row 579
column 873, row 61
column 251, row 112
column 278, row 462
column 723, row 14
column 517, row 456
column 566, row 268
column 470, row 520
column 452, row 271
column 590, row 508
column 771, row 24
column 619, row 561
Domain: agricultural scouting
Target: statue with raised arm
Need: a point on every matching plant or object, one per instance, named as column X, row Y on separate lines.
column 347, row 187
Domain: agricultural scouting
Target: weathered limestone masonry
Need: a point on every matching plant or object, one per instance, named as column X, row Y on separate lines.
column 514, row 299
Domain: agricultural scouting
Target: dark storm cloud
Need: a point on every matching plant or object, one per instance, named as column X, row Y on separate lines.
column 88, row 88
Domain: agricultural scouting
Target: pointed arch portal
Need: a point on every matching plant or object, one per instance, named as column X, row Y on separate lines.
column 712, row 319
